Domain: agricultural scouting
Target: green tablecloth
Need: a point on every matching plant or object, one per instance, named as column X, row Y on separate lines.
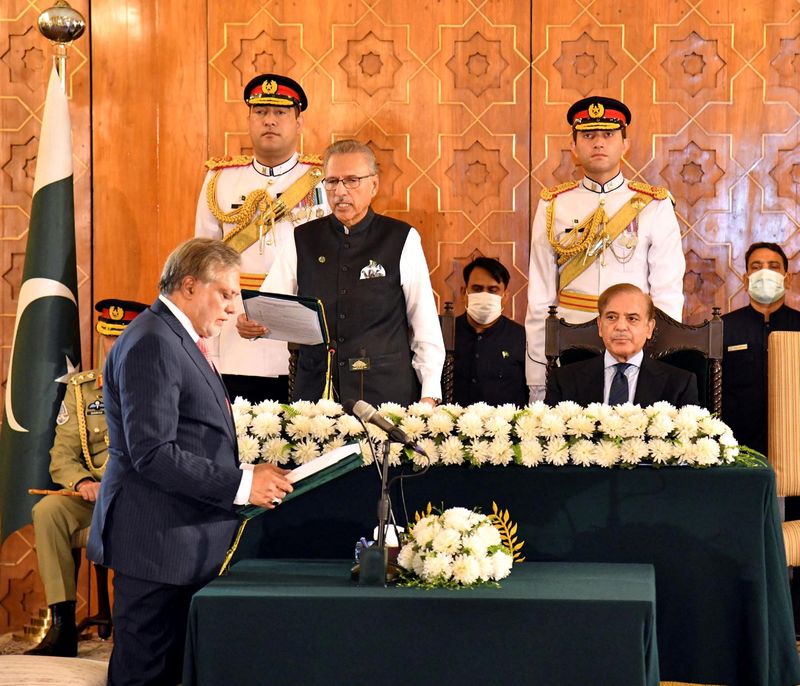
column 304, row 622
column 713, row 536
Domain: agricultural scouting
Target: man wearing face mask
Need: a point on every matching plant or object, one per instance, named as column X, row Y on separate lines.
column 744, row 356
column 490, row 348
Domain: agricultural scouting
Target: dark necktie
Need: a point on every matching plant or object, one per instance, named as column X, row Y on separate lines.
column 619, row 385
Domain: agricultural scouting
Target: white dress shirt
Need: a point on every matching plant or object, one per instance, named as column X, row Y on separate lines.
column 631, row 373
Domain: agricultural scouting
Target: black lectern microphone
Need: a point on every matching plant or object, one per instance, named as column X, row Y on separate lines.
column 369, row 415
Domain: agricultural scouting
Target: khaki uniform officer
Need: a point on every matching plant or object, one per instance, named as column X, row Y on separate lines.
column 253, row 203
column 77, row 462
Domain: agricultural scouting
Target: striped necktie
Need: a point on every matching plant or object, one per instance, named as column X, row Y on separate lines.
column 619, row 385
column 201, row 343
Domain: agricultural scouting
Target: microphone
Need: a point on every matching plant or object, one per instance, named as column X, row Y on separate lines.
column 369, row 415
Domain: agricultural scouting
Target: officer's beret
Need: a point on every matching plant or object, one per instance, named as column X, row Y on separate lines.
column 598, row 114
column 274, row 89
column 114, row 315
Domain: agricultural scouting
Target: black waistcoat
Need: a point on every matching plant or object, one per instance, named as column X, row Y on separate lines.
column 357, row 277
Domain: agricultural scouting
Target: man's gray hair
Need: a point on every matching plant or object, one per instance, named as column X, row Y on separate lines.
column 351, row 146
column 201, row 258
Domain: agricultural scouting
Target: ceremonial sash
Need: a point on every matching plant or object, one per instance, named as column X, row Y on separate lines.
column 613, row 228
column 241, row 238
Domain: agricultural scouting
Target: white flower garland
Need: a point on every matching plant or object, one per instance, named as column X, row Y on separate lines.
column 596, row 435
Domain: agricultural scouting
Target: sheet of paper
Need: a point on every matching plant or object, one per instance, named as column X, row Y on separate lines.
column 287, row 320
column 321, row 462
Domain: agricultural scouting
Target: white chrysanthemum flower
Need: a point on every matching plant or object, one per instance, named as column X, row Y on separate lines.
column 566, row 409
column 418, row 564
column 479, row 452
column 607, row 453
column 431, row 453
column 531, row 453
column 268, row 406
column 712, row 426
column 661, row 425
column 305, row 408
column 537, row 408
column 425, row 529
column 440, row 423
column 437, row 566
column 241, row 420
column 333, row 444
column 582, row 453
column 420, row 409
column 447, row 541
column 413, row 426
column 694, row 412
column 552, row 425
column 266, row 425
column 556, row 451
column 506, row 411
column 366, row 451
column 329, row 408
column 487, row 567
column 727, row 440
column 686, row 426
column 451, row 451
column 528, row 427
column 305, row 451
column 347, row 425
column 241, row 405
column 275, row 451
column 612, row 425
column 466, row 569
column 498, row 427
column 660, row 451
column 633, row 450
column 457, row 518
column 248, row 449
column 483, row 410
column 634, row 421
column 393, row 410
column 662, row 407
column 405, row 558
column 476, row 545
column 707, row 451
column 502, row 563
column 689, row 453
column 396, row 454
column 596, row 410
column 299, row 426
column 322, row 427
column 470, row 425
column 376, row 433
column 501, row 452
column 453, row 409
column 581, row 425
column 487, row 533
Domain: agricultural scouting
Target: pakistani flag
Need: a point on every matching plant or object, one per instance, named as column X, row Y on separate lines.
column 46, row 344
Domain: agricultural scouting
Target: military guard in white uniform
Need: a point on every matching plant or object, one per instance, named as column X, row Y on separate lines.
column 602, row 230
column 253, row 204
column 77, row 462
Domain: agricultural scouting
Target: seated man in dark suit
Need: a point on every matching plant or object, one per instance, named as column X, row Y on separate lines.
column 624, row 373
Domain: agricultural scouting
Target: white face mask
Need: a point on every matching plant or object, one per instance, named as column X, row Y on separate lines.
column 484, row 307
column 766, row 286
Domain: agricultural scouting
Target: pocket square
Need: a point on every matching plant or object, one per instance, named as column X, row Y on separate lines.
column 373, row 271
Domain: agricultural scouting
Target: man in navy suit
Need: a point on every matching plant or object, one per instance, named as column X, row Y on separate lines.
column 165, row 515
column 623, row 373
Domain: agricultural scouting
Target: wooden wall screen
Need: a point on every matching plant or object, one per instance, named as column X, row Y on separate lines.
column 464, row 101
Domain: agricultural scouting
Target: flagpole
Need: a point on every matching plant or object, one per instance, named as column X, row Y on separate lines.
column 61, row 25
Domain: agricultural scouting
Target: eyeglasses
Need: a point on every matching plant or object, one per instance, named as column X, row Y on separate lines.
column 350, row 182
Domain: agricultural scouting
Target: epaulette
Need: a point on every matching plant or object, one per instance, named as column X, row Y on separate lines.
column 657, row 192
column 548, row 194
column 313, row 160
column 84, row 377
column 228, row 161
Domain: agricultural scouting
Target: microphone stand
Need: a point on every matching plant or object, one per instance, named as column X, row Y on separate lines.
column 374, row 559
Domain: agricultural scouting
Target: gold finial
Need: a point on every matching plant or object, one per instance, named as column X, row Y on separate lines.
column 61, row 25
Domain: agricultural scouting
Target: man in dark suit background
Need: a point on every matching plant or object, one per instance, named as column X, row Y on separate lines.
column 165, row 513
column 623, row 373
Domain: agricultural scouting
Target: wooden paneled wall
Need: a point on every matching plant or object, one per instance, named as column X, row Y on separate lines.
column 464, row 101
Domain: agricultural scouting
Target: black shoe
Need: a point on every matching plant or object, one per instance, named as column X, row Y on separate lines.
column 61, row 639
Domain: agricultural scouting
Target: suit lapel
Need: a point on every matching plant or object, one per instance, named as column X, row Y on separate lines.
column 650, row 386
column 211, row 377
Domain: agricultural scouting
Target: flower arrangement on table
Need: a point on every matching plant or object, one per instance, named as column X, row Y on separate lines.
column 595, row 435
column 458, row 547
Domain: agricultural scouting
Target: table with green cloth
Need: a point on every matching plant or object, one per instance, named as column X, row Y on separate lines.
column 713, row 536
column 304, row 622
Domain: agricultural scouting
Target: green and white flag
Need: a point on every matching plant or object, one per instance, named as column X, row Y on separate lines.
column 46, row 345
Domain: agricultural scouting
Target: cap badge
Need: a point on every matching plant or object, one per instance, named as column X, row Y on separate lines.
column 115, row 312
column 596, row 110
column 270, row 87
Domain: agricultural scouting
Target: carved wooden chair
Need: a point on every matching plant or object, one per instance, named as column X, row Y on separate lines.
column 697, row 349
